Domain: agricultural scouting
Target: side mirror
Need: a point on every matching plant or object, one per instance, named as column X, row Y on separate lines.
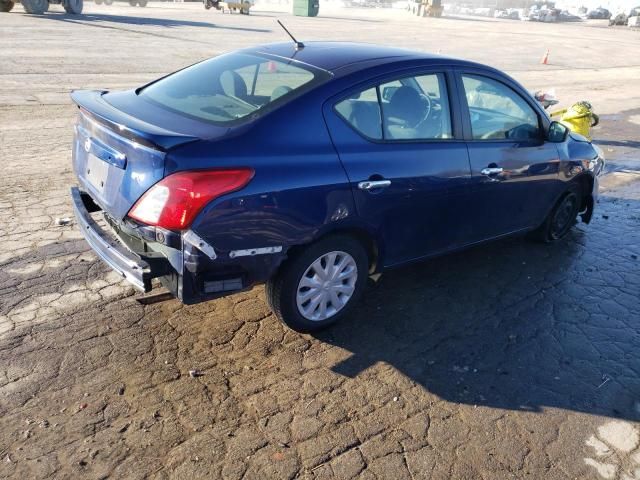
column 557, row 132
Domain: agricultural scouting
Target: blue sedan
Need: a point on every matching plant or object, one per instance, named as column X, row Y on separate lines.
column 312, row 167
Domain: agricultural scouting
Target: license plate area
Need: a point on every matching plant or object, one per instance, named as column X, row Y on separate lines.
column 97, row 172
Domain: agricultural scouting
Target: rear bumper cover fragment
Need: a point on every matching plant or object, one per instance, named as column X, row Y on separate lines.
column 139, row 270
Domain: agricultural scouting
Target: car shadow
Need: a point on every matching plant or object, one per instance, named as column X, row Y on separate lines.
column 511, row 325
column 96, row 18
column 514, row 324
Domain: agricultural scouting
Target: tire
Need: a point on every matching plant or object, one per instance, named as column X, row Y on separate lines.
column 97, row 2
column 6, row 6
column 36, row 7
column 74, row 7
column 142, row 3
column 561, row 218
column 285, row 292
column 108, row 2
column 133, row 3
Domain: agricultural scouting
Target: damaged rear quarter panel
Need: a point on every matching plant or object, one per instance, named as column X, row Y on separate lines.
column 299, row 191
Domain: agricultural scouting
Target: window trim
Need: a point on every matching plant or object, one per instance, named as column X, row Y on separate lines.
column 448, row 76
column 466, row 114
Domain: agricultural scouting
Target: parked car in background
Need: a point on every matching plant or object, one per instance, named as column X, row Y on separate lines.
column 622, row 18
column 543, row 15
column 565, row 16
column 510, row 14
column 619, row 19
column 599, row 13
column 311, row 167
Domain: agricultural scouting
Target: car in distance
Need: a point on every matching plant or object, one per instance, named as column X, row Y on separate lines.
column 311, row 167
column 511, row 14
column 599, row 13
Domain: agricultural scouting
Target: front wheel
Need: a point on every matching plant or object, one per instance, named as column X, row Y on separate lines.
column 37, row 7
column 561, row 219
column 320, row 285
column 6, row 5
column 73, row 7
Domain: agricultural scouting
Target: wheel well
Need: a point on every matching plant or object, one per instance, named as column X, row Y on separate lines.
column 363, row 236
column 585, row 184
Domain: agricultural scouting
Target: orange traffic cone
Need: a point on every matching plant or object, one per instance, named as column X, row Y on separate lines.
column 545, row 59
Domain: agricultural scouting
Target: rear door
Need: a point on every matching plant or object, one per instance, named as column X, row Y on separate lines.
column 514, row 171
column 401, row 144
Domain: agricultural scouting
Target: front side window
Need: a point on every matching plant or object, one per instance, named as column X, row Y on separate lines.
column 231, row 87
column 409, row 108
column 497, row 112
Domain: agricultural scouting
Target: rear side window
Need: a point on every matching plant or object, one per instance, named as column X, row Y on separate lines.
column 408, row 108
column 233, row 87
column 498, row 112
column 362, row 111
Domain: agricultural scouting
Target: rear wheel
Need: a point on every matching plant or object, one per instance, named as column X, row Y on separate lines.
column 561, row 219
column 6, row 6
column 108, row 2
column 320, row 285
column 133, row 3
column 37, row 7
column 142, row 3
column 97, row 2
column 73, row 7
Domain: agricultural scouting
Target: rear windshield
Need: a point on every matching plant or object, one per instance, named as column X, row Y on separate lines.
column 232, row 87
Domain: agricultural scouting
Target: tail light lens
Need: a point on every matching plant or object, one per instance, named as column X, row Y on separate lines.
column 174, row 201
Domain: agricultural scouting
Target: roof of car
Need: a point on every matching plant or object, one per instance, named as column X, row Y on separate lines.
column 331, row 56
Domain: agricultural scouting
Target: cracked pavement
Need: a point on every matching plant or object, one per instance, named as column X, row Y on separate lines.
column 510, row 360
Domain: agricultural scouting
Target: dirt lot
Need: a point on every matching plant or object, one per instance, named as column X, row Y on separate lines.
column 512, row 360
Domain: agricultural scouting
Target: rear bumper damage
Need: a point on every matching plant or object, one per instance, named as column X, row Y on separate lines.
column 190, row 268
column 138, row 269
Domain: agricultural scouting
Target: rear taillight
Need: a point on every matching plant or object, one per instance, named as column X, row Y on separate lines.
column 174, row 201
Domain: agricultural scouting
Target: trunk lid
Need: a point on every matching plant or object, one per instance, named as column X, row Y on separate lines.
column 117, row 155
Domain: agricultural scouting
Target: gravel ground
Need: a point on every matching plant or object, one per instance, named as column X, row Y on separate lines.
column 511, row 360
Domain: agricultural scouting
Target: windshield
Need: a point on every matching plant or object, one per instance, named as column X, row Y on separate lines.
column 232, row 87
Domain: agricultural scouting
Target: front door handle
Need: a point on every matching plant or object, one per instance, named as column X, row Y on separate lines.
column 373, row 184
column 491, row 171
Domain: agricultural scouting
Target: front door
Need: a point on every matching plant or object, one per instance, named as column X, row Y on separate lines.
column 407, row 163
column 514, row 171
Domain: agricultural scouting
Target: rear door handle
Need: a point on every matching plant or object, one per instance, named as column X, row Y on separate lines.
column 491, row 171
column 373, row 184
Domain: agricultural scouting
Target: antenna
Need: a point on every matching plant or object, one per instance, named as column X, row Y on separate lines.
column 299, row 45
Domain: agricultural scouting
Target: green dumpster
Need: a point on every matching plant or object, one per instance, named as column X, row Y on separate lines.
column 306, row 8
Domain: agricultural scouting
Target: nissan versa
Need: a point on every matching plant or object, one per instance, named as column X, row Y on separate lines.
column 311, row 167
